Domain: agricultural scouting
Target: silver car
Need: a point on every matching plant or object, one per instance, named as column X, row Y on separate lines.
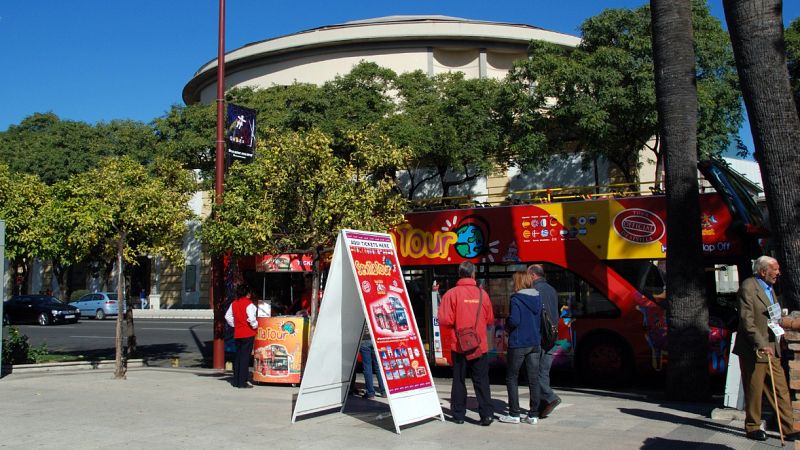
column 98, row 305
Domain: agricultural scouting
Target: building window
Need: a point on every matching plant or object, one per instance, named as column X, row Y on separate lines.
column 190, row 278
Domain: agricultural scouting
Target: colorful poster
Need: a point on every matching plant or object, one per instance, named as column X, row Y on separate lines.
column 391, row 320
column 279, row 349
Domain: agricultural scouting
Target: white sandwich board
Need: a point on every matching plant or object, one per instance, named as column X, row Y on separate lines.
column 365, row 283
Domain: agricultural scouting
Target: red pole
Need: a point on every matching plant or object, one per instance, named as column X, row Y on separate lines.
column 216, row 295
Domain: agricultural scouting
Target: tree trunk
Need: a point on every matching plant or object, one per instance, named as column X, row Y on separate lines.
column 119, row 366
column 756, row 29
column 315, row 286
column 130, row 332
column 676, row 93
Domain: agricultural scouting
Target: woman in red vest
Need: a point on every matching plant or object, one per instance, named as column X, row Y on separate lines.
column 241, row 316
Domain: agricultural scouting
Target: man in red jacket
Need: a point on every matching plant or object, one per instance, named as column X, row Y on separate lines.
column 241, row 315
column 459, row 308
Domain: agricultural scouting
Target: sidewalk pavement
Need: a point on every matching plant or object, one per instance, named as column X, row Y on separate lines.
column 181, row 408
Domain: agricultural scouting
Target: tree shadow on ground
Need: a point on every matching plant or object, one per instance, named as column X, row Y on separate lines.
column 672, row 444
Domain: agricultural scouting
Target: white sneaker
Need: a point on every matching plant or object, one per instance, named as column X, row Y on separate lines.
column 530, row 420
column 509, row 419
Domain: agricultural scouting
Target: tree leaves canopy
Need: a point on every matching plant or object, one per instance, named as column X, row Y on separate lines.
column 599, row 98
column 298, row 194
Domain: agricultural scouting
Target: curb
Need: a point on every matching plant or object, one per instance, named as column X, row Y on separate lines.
column 71, row 366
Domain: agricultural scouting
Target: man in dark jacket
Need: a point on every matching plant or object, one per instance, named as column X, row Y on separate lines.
column 549, row 399
column 459, row 308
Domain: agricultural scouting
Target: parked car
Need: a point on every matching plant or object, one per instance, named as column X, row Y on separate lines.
column 98, row 305
column 41, row 309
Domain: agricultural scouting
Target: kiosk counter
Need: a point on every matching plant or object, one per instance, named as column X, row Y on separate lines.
column 280, row 348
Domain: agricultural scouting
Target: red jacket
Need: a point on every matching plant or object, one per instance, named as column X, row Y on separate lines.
column 242, row 328
column 458, row 309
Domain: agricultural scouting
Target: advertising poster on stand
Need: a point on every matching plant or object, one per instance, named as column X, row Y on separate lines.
column 388, row 310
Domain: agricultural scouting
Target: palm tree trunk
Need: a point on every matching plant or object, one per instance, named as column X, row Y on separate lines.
column 676, row 93
column 756, row 29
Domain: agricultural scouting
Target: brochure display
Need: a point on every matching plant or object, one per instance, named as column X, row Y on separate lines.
column 279, row 349
column 365, row 283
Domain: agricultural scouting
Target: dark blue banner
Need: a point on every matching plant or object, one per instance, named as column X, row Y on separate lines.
column 241, row 133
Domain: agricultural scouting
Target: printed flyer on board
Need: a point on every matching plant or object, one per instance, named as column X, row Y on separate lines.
column 400, row 350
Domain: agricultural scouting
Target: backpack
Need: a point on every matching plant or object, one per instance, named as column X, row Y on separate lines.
column 549, row 330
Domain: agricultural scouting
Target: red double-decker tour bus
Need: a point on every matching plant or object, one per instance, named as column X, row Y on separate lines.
column 606, row 258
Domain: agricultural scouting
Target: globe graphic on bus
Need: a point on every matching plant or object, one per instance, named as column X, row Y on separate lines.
column 469, row 243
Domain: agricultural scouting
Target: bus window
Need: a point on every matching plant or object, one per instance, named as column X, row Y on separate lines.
column 591, row 303
column 648, row 276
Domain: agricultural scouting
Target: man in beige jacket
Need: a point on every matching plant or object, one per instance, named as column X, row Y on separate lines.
column 757, row 342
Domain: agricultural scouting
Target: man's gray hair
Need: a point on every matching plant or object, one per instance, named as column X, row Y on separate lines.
column 536, row 269
column 763, row 263
column 466, row 270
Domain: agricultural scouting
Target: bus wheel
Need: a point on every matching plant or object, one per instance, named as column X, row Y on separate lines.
column 605, row 361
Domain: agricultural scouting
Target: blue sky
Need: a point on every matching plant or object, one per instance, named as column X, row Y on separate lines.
column 99, row 60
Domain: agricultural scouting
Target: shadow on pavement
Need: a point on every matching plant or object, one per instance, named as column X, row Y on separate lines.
column 670, row 444
column 673, row 418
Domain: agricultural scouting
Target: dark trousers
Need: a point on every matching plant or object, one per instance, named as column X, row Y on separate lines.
column 479, row 372
column 545, row 391
column 515, row 357
column 241, row 363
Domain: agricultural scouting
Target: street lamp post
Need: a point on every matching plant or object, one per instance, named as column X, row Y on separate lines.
column 216, row 296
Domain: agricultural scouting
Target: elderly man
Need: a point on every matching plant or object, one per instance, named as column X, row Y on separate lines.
column 468, row 305
column 757, row 342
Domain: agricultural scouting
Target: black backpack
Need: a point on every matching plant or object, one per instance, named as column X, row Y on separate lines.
column 549, row 330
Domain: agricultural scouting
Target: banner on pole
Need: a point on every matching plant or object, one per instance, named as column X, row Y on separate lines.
column 365, row 283
column 240, row 133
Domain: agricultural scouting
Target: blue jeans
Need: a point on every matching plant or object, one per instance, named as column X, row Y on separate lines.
column 514, row 359
column 545, row 391
column 368, row 361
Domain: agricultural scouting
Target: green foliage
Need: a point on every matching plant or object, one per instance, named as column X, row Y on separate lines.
column 792, row 41
column 17, row 349
column 145, row 206
column 22, row 201
column 55, row 149
column 188, row 134
column 450, row 124
column 599, row 98
column 298, row 194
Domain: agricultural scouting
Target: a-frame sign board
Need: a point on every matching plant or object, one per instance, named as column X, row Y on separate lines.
column 365, row 283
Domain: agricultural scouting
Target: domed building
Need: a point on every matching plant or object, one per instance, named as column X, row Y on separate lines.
column 433, row 44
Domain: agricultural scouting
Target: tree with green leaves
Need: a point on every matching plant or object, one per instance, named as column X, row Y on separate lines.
column 22, row 202
column 451, row 126
column 298, row 194
column 676, row 95
column 756, row 29
column 54, row 149
column 599, row 98
column 123, row 210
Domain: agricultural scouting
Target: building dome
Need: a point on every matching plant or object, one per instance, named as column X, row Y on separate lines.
column 433, row 44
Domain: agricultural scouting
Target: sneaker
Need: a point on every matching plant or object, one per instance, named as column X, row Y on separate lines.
column 509, row 419
column 381, row 394
column 368, row 396
column 529, row 420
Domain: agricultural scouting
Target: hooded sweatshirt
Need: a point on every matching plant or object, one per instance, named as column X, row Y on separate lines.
column 524, row 320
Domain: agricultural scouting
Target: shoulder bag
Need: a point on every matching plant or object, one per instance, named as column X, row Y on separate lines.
column 467, row 337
